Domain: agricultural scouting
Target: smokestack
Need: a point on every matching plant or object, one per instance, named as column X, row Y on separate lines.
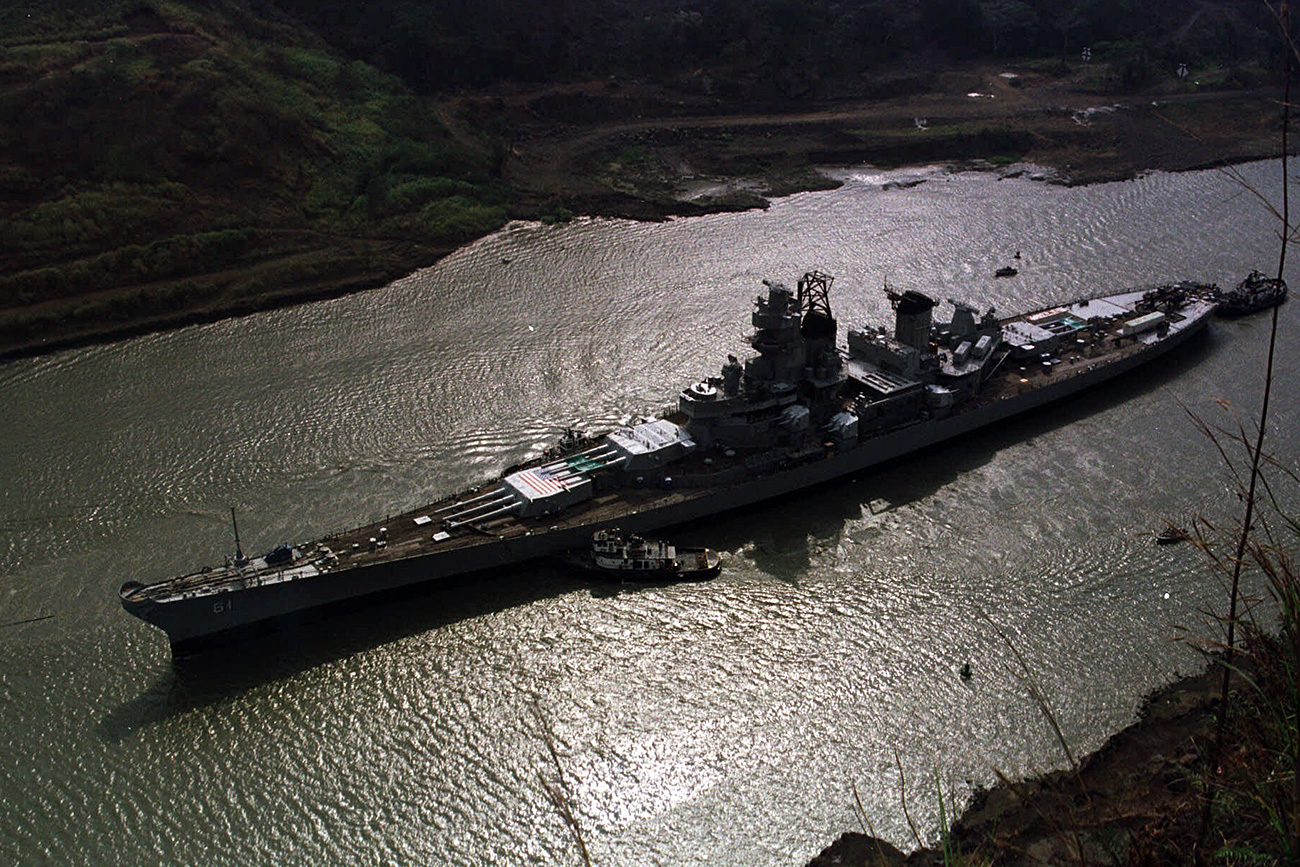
column 912, row 322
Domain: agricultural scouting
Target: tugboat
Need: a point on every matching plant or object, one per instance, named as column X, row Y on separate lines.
column 1256, row 292
column 633, row 558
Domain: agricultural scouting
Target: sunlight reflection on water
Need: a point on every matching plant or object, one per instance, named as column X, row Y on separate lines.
column 703, row 724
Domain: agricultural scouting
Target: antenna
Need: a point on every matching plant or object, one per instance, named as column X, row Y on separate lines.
column 894, row 297
column 239, row 550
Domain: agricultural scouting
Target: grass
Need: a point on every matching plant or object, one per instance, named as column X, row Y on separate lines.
column 111, row 212
column 1277, row 740
column 1249, row 785
column 166, row 258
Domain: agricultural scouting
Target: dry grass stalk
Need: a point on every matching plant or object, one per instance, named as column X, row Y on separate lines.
column 1281, row 15
column 558, row 791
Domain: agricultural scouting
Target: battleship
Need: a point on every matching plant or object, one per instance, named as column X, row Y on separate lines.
column 803, row 410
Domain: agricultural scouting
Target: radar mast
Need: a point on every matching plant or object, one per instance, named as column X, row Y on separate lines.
column 814, row 293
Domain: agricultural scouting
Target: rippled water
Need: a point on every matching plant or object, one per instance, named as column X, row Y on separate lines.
column 722, row 723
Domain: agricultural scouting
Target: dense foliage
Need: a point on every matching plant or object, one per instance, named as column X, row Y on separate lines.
column 436, row 45
column 144, row 142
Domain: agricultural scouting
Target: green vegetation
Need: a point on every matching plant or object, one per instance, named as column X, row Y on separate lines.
column 108, row 212
column 134, row 134
column 1255, row 809
column 142, row 142
column 133, row 263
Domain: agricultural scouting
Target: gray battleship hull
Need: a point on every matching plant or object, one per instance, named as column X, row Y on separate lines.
column 217, row 618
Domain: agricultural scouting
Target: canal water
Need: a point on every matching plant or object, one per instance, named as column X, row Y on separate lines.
column 725, row 723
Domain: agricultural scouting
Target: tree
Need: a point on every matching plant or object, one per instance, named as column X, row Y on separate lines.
column 1012, row 26
column 952, row 24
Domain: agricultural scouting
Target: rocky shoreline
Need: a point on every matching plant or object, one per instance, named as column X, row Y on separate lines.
column 1136, row 800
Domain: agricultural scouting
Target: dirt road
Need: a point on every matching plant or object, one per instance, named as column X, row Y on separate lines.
column 561, row 152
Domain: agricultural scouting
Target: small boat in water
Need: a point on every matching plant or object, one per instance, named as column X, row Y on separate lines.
column 1256, row 292
column 1005, row 271
column 1172, row 535
column 633, row 558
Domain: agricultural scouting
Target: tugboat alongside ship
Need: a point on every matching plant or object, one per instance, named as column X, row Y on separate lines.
column 803, row 410
column 1256, row 292
column 633, row 558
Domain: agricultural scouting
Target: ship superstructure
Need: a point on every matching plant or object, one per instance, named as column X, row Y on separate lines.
column 781, row 395
column 802, row 410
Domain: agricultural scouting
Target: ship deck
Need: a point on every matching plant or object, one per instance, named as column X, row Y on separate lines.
column 1086, row 350
column 419, row 532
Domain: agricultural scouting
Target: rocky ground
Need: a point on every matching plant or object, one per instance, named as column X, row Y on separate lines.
column 620, row 149
column 1124, row 799
column 1139, row 800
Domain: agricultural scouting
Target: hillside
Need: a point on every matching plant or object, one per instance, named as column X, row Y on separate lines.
column 178, row 158
column 773, row 49
column 166, row 161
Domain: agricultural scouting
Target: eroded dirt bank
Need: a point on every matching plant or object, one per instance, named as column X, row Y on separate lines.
column 1138, row 800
